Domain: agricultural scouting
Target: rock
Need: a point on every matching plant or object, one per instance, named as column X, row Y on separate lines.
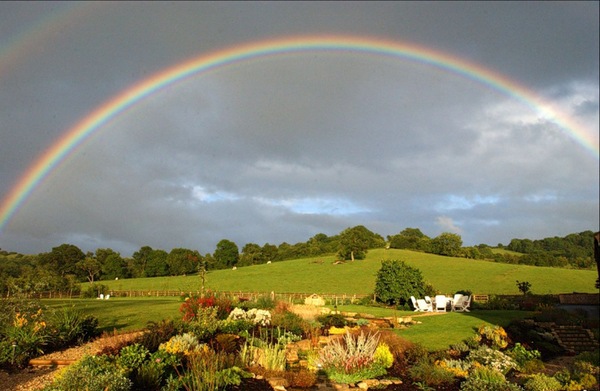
column 341, row 387
column 278, row 381
column 369, row 383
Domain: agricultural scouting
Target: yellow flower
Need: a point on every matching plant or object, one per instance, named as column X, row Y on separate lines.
column 20, row 320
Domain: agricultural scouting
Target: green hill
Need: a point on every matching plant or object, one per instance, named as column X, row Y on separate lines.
column 322, row 275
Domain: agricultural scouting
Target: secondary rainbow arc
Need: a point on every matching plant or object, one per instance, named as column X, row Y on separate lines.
column 75, row 136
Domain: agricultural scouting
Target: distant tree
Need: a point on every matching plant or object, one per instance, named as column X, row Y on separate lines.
column 524, row 286
column 182, row 261
column 62, row 259
column 140, row 260
column 447, row 244
column 397, row 282
column 157, row 264
column 91, row 267
column 410, row 239
column 269, row 252
column 226, row 254
column 355, row 241
column 251, row 255
column 114, row 266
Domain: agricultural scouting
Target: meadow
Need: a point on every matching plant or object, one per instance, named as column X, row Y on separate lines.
column 128, row 314
column 323, row 275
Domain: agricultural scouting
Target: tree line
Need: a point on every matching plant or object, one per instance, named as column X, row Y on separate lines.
column 66, row 266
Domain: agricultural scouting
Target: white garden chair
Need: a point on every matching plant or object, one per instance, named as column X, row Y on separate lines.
column 440, row 303
column 420, row 305
column 462, row 304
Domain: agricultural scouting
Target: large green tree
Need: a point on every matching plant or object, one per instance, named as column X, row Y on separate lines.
column 91, row 267
column 355, row 241
column 62, row 259
column 447, row 244
column 183, row 261
column 114, row 266
column 397, row 282
column 226, row 254
column 251, row 255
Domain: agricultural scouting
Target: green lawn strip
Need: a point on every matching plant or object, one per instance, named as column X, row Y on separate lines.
column 437, row 332
column 321, row 275
column 123, row 314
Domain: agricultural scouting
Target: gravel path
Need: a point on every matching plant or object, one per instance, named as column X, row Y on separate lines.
column 36, row 378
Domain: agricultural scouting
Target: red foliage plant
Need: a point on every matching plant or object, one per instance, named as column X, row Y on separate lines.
column 189, row 308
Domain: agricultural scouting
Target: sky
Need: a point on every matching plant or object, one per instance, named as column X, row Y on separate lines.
column 280, row 147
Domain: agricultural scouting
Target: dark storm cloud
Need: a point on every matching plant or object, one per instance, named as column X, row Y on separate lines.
column 282, row 148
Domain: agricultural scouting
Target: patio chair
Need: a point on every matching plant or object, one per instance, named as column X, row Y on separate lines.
column 440, row 303
column 462, row 304
column 424, row 306
column 420, row 305
column 429, row 301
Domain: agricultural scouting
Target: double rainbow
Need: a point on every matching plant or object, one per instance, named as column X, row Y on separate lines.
column 131, row 96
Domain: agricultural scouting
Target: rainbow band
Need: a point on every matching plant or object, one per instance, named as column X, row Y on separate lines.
column 50, row 159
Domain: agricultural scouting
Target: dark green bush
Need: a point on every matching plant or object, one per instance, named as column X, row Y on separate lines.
column 335, row 320
column 288, row 321
column 397, row 282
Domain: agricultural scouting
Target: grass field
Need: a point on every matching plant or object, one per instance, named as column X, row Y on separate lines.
column 126, row 314
column 321, row 275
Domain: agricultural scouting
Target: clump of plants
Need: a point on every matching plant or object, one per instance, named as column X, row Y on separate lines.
column 28, row 330
column 354, row 357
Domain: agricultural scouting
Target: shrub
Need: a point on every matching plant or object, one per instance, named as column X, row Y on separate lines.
column 417, row 353
column 483, row 378
column 132, row 357
column 527, row 360
column 433, row 375
column 191, row 306
column 208, row 370
column 383, row 356
column 289, row 321
column 254, row 315
column 493, row 336
column 397, row 345
column 458, row 368
column 493, row 359
column 397, row 282
column 149, row 376
column 159, row 332
column 590, row 357
column 302, row 378
column 25, row 336
column 94, row 290
column 70, row 325
column 541, row 382
column 230, row 326
column 185, row 344
column 332, row 320
column 91, row 373
column 351, row 359
column 205, row 324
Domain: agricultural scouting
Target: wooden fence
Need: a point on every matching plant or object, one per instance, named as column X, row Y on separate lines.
column 291, row 297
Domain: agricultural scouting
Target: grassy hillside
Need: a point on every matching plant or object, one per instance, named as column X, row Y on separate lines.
column 320, row 275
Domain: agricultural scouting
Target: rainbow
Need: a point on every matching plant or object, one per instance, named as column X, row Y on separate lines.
column 82, row 130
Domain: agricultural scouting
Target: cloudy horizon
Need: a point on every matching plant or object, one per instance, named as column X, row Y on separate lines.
column 282, row 147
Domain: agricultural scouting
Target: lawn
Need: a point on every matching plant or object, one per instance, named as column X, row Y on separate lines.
column 322, row 275
column 434, row 331
column 123, row 313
